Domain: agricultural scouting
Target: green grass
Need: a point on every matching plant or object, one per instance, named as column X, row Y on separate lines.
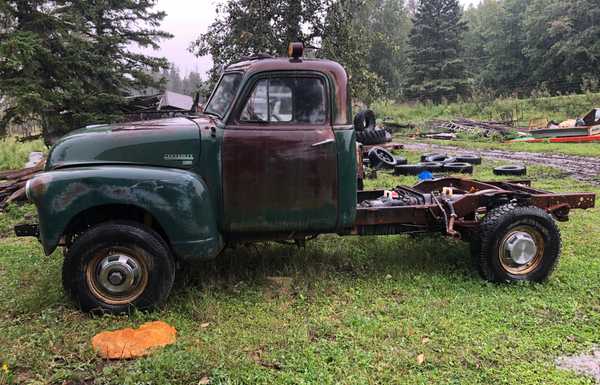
column 358, row 311
column 13, row 155
column 557, row 108
column 576, row 149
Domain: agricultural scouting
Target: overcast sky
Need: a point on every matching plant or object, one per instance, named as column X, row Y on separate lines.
column 186, row 19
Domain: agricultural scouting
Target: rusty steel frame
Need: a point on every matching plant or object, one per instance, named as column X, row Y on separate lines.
column 459, row 215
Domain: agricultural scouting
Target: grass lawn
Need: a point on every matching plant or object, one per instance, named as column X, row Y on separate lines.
column 353, row 311
column 577, row 149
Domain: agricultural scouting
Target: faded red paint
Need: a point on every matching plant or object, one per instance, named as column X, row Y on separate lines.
column 269, row 170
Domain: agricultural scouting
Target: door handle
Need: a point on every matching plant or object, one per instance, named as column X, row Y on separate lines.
column 326, row 141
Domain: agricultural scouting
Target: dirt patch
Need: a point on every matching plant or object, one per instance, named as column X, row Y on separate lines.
column 586, row 364
column 582, row 168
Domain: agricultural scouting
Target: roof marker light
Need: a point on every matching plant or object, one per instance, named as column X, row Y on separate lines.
column 295, row 50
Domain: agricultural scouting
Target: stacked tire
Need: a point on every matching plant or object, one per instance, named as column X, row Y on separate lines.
column 366, row 129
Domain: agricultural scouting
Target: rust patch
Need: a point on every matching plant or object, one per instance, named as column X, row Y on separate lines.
column 69, row 194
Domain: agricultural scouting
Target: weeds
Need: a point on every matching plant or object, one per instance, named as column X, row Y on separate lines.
column 353, row 310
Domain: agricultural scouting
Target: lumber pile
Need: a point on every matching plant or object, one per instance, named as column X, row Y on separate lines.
column 485, row 128
column 12, row 183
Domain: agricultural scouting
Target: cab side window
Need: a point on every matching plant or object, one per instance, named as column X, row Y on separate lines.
column 286, row 100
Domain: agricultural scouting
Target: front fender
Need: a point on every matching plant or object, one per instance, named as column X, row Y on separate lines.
column 177, row 199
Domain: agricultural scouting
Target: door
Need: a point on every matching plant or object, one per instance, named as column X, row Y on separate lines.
column 279, row 158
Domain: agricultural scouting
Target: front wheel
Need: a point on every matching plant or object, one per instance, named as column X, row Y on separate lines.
column 517, row 243
column 117, row 266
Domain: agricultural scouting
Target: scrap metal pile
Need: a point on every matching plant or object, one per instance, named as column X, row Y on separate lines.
column 12, row 182
column 579, row 130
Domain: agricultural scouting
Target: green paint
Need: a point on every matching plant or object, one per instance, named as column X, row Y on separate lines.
column 168, row 143
column 177, row 199
column 345, row 138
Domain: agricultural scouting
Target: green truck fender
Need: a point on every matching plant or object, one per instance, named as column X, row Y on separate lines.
column 175, row 202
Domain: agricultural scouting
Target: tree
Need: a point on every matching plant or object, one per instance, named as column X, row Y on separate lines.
column 389, row 26
column 437, row 68
column 249, row 27
column 192, row 83
column 346, row 38
column 563, row 43
column 495, row 45
column 68, row 62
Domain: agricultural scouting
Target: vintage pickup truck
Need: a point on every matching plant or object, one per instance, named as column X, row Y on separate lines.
column 273, row 156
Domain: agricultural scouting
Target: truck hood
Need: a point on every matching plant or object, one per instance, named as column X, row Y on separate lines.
column 173, row 142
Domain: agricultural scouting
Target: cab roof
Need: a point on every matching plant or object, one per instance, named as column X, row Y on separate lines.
column 282, row 64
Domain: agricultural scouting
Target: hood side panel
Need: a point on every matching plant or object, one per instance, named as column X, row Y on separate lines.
column 168, row 143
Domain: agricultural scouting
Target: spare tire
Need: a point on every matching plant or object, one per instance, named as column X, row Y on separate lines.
column 469, row 158
column 408, row 169
column 512, row 169
column 400, row 160
column 424, row 157
column 432, row 166
column 365, row 120
column 371, row 136
column 460, row 167
column 381, row 158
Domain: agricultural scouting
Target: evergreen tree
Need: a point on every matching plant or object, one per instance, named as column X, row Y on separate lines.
column 437, row 68
column 68, row 63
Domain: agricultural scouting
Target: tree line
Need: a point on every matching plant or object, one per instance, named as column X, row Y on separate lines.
column 69, row 62
column 426, row 50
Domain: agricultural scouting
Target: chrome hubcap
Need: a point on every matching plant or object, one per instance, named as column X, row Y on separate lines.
column 118, row 274
column 521, row 247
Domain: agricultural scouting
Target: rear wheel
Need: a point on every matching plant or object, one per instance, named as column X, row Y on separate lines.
column 517, row 243
column 117, row 266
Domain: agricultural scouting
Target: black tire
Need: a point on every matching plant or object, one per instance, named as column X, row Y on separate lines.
column 449, row 160
column 499, row 229
column 468, row 158
column 458, row 167
column 400, row 160
column 381, row 158
column 510, row 170
column 127, row 247
column 365, row 120
column 435, row 158
column 408, row 169
column 432, row 166
column 424, row 157
column 371, row 137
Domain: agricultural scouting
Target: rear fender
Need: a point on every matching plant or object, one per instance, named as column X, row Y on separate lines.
column 177, row 199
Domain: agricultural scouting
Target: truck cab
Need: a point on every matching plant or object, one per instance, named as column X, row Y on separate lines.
column 282, row 138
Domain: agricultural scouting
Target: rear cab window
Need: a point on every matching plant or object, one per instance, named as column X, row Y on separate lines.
column 301, row 100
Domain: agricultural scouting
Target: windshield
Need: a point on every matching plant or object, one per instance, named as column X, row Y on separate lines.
column 224, row 94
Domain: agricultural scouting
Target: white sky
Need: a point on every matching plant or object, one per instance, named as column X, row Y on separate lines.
column 186, row 19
